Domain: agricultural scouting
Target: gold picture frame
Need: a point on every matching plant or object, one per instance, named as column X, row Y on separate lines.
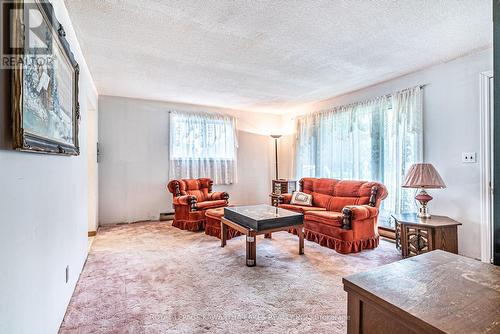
column 45, row 107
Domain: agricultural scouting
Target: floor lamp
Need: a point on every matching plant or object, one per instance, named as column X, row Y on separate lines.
column 276, row 137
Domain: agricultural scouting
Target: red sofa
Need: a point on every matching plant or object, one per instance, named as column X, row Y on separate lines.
column 192, row 197
column 344, row 213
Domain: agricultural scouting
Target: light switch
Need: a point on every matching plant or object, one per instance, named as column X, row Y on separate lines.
column 469, row 157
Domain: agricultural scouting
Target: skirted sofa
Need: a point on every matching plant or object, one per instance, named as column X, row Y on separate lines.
column 192, row 198
column 343, row 215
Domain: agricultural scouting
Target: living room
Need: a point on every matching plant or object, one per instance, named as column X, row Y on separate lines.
column 240, row 166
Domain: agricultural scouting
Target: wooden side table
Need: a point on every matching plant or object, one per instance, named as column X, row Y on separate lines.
column 275, row 199
column 416, row 235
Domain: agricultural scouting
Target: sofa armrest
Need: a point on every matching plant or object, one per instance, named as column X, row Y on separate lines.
column 285, row 198
column 357, row 212
column 361, row 212
column 218, row 195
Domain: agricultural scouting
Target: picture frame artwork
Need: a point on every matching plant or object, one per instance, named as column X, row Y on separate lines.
column 45, row 107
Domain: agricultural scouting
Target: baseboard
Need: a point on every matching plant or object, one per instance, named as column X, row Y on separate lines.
column 92, row 233
column 392, row 241
column 166, row 216
column 387, row 233
column 135, row 222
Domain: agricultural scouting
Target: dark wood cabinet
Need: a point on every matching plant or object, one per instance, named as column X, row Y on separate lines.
column 416, row 235
column 282, row 186
column 275, row 199
column 437, row 292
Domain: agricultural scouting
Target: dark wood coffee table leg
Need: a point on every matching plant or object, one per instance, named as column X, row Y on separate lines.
column 268, row 235
column 223, row 234
column 300, row 232
column 251, row 249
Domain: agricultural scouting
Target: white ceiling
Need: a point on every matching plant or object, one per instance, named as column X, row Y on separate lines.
column 269, row 56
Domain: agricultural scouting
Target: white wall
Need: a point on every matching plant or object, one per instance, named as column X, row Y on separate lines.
column 133, row 168
column 93, row 190
column 451, row 126
column 43, row 215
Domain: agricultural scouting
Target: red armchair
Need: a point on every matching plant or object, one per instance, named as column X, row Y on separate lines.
column 344, row 213
column 192, row 197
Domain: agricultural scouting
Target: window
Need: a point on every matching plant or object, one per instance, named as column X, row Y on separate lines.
column 203, row 145
column 376, row 140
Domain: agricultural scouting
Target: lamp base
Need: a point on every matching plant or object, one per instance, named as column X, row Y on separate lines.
column 423, row 198
column 423, row 213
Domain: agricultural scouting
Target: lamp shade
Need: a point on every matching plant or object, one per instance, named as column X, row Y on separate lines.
column 423, row 176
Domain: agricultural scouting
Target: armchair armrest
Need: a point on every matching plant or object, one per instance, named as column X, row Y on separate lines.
column 357, row 212
column 185, row 200
column 218, row 195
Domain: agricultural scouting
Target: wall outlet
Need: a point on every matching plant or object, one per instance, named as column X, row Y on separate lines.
column 468, row 157
column 67, row 274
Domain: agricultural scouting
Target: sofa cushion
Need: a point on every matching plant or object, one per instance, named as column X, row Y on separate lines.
column 338, row 203
column 210, row 204
column 195, row 187
column 300, row 198
column 324, row 217
column 321, row 200
column 300, row 208
column 320, row 186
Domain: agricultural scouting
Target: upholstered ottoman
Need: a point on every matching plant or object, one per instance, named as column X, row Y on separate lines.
column 212, row 225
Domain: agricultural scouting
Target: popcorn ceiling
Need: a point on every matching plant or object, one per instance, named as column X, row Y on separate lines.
column 268, row 56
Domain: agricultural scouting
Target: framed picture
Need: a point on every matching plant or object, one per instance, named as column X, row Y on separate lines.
column 45, row 108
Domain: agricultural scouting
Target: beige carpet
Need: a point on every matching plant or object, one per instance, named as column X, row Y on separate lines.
column 154, row 278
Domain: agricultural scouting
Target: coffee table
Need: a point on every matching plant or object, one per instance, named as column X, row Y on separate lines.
column 254, row 220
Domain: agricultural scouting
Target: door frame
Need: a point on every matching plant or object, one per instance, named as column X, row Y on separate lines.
column 486, row 164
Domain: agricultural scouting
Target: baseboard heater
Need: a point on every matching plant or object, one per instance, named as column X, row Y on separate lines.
column 166, row 216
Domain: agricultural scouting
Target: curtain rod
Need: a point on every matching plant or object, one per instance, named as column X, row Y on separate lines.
column 389, row 94
column 420, row 86
column 201, row 112
column 327, row 109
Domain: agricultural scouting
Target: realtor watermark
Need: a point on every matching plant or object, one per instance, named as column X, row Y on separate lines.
column 250, row 316
column 29, row 37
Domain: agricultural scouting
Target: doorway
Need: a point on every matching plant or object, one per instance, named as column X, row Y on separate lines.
column 486, row 165
column 92, row 171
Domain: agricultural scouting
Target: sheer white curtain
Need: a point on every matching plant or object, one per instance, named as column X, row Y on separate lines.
column 203, row 145
column 375, row 140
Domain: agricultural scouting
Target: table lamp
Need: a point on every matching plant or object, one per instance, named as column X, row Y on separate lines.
column 423, row 176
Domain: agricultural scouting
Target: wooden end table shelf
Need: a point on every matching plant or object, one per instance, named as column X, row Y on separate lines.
column 416, row 235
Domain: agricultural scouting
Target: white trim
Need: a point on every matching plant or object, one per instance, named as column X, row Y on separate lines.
column 485, row 160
